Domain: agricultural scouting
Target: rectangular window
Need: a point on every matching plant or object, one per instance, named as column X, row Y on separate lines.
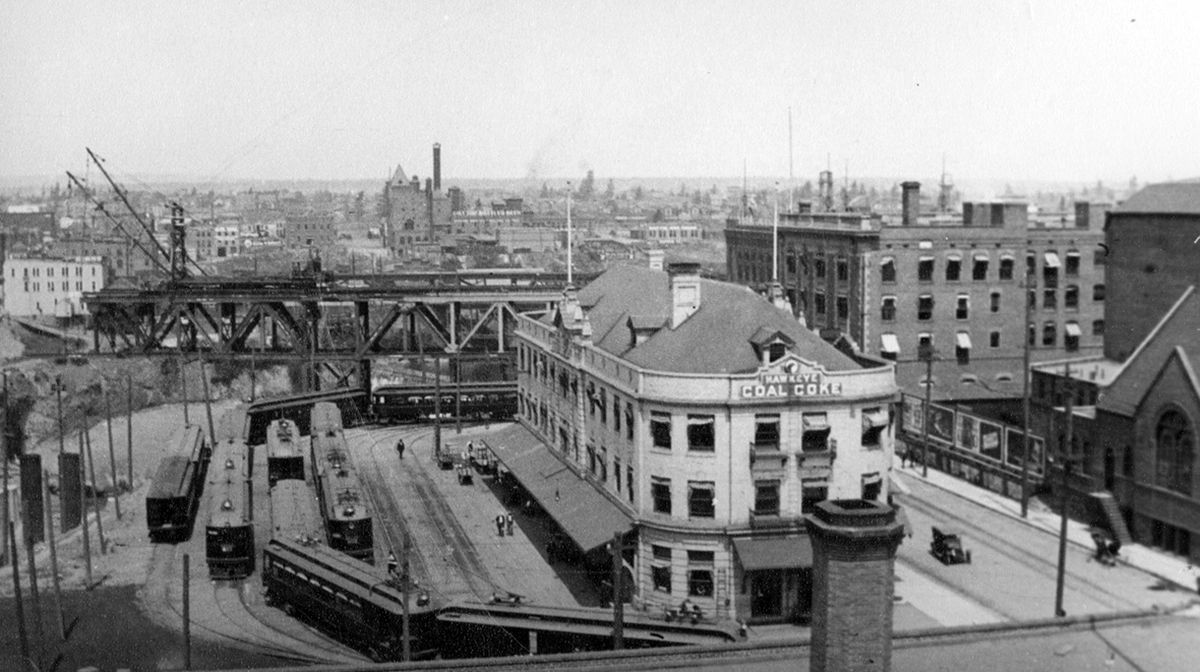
column 925, row 269
column 1006, row 268
column 995, row 302
column 962, row 307
column 816, row 432
column 979, row 268
column 1049, row 299
column 1031, row 338
column 962, row 347
column 701, row 433
column 603, row 406
column 887, row 269
column 617, row 472
column 813, row 491
column 887, row 312
column 1071, row 297
column 1097, row 327
column 616, row 408
column 819, row 265
column 953, row 269
column 1032, row 298
column 629, row 482
column 660, row 492
column 766, row 431
column 700, row 575
column 1071, row 334
column 1098, row 293
column 819, row 300
column 1049, row 334
column 994, row 339
column 660, row 429
column 925, row 307
column 1072, row 267
column 660, row 569
column 875, row 421
column 843, row 308
column 843, row 270
column 629, row 421
column 701, row 499
column 766, row 498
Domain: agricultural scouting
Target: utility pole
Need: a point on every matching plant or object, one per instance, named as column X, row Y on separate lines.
column 187, row 620
column 62, row 620
column 58, row 390
column 618, row 606
column 927, row 353
column 129, row 427
column 87, row 544
column 87, row 438
column 36, row 605
column 183, row 380
column 458, row 389
column 4, row 512
column 112, row 455
column 1067, row 454
column 20, row 605
column 212, row 436
column 405, row 644
column 1029, row 278
column 437, row 406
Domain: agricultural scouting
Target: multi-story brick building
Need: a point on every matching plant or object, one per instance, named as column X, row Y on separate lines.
column 416, row 215
column 1136, row 417
column 42, row 286
column 710, row 420
column 957, row 283
column 307, row 231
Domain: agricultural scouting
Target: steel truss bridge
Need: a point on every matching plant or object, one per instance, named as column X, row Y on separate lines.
column 337, row 325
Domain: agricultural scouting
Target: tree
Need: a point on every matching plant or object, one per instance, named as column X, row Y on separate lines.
column 588, row 187
column 609, row 190
column 545, row 191
column 638, row 193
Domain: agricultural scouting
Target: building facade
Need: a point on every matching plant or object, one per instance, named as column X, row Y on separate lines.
column 956, row 283
column 713, row 420
column 297, row 231
column 49, row 286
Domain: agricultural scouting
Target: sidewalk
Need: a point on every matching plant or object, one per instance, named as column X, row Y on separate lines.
column 1166, row 567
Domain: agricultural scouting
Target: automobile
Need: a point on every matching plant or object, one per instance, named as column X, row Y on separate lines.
column 947, row 547
column 465, row 475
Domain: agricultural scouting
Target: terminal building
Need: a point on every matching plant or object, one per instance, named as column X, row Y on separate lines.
column 963, row 284
column 701, row 421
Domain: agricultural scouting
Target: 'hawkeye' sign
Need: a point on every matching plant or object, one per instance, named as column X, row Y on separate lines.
column 790, row 380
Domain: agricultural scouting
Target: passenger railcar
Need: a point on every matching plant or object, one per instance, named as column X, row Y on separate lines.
column 353, row 403
column 294, row 513
column 229, row 537
column 285, row 455
column 342, row 499
column 357, row 604
column 412, row 403
column 174, row 496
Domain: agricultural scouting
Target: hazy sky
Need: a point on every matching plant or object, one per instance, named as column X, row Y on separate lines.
column 1005, row 89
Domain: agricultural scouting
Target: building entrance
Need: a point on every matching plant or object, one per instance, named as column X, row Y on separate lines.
column 766, row 594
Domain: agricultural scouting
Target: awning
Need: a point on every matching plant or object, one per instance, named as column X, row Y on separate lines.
column 877, row 418
column 953, row 256
column 872, row 478
column 585, row 514
column 963, row 339
column 925, row 257
column 891, row 344
column 1006, row 255
column 1073, row 329
column 981, row 256
column 776, row 553
column 1051, row 260
column 815, row 422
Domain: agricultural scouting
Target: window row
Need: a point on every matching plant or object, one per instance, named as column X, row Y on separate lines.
column 604, row 406
column 64, row 286
column 890, row 343
column 699, row 571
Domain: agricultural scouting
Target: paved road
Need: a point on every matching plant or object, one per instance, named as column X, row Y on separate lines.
column 1014, row 565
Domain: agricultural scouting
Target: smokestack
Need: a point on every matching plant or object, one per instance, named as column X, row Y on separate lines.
column 437, row 166
column 910, row 202
column 429, row 207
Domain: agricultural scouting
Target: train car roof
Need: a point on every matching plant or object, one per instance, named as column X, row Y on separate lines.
column 344, row 497
column 304, row 399
column 283, row 439
column 173, row 472
column 364, row 581
column 294, row 512
column 325, row 415
column 228, row 462
column 227, row 507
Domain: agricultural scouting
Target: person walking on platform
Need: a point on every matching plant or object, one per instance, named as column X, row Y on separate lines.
column 508, row 524
column 500, row 524
column 392, row 564
column 400, row 448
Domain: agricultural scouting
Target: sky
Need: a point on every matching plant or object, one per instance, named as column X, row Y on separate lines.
column 1006, row 89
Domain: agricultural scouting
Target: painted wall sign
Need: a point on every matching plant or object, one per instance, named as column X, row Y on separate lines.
column 791, row 379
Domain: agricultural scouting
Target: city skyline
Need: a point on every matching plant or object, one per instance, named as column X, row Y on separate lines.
column 1016, row 90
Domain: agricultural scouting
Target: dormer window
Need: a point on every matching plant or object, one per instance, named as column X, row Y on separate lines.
column 776, row 351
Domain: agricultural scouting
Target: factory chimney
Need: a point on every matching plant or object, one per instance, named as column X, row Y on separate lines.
column 910, row 202
column 429, row 208
column 437, row 166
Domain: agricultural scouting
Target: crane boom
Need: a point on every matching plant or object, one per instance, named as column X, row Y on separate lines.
column 121, row 194
column 120, row 227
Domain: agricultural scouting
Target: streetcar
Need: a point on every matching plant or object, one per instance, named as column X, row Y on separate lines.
column 393, row 404
column 295, row 515
column 285, row 456
column 352, row 402
column 342, row 499
column 174, row 496
column 357, row 604
column 229, row 537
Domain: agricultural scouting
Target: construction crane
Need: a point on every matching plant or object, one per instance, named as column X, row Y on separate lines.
column 119, row 226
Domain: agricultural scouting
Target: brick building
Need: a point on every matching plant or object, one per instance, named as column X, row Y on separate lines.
column 1136, row 417
column 416, row 215
column 954, row 282
column 297, row 231
column 709, row 420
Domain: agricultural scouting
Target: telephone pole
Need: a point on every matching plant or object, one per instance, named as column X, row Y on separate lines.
column 618, row 634
column 927, row 353
column 1067, row 454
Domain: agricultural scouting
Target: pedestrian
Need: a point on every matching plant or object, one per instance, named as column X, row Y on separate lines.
column 508, row 524
column 471, row 449
column 392, row 564
column 903, row 457
column 400, row 448
column 500, row 524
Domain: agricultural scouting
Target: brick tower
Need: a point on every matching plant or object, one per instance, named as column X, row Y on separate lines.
column 854, row 549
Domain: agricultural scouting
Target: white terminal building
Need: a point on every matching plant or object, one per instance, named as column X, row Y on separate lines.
column 701, row 421
column 48, row 286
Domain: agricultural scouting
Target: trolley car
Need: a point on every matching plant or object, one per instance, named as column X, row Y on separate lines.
column 357, row 604
column 229, row 537
column 294, row 513
column 477, row 401
column 174, row 496
column 342, row 498
column 285, row 456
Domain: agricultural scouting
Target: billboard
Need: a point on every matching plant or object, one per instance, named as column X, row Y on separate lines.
column 973, row 435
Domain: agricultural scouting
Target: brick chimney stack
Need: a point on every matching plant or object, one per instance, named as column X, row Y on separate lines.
column 685, row 291
column 910, row 202
column 854, row 552
column 437, row 166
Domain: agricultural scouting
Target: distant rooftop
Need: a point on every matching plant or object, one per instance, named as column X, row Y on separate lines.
column 1165, row 198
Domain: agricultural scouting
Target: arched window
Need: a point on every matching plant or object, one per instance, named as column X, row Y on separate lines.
column 1174, row 449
